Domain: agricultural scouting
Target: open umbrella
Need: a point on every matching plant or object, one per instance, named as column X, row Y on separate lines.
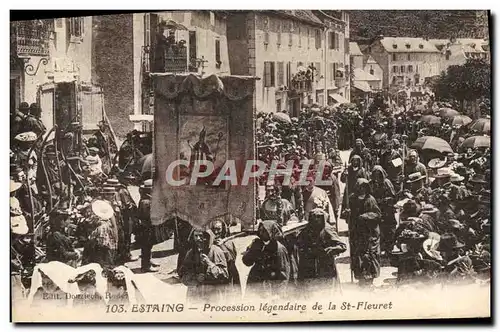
column 282, row 117
column 448, row 113
column 430, row 119
column 482, row 125
column 461, row 120
column 146, row 165
column 476, row 142
column 432, row 143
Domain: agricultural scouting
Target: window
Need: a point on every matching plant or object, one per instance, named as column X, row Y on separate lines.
column 395, row 69
column 266, row 31
column 408, row 46
column 333, row 71
column 300, row 64
column 447, row 55
column 288, row 73
column 408, row 57
column 290, row 35
column 308, row 38
column 218, row 61
column 410, row 69
column 394, row 80
column 281, row 73
column 337, row 41
column 300, row 37
column 331, row 40
column 75, row 26
column 402, row 69
column 278, row 34
column 317, row 65
column 394, row 46
column 393, row 56
column 278, row 105
column 192, row 51
column 372, row 72
column 269, row 74
column 317, row 38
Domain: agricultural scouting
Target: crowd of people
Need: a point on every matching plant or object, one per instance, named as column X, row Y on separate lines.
column 416, row 207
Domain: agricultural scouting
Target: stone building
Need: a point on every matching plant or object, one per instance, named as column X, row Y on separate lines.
column 297, row 54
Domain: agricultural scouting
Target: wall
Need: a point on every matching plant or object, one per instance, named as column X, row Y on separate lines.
column 377, row 70
column 357, row 61
column 425, row 64
column 238, row 43
column 114, row 68
column 382, row 58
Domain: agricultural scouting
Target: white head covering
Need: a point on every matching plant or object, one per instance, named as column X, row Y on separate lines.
column 100, row 281
column 129, row 277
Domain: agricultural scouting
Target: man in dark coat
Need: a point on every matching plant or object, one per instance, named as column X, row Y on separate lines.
column 59, row 245
column 34, row 122
column 146, row 235
column 18, row 119
column 318, row 245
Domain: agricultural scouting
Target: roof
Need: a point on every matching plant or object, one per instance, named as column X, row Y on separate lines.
column 371, row 61
column 469, row 44
column 361, row 75
column 306, row 16
column 362, row 85
column 354, row 49
column 407, row 45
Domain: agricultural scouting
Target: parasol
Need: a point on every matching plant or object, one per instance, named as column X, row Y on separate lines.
column 146, row 164
column 476, row 142
column 448, row 113
column 461, row 120
column 282, row 117
column 431, row 143
column 430, row 119
column 482, row 125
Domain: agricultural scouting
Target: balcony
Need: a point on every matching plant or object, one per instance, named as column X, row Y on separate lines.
column 31, row 38
column 302, row 86
column 170, row 57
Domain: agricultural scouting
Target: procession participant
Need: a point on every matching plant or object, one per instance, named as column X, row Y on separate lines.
column 293, row 194
column 103, row 143
column 102, row 244
column 318, row 246
column 18, row 119
column 109, row 194
column 59, row 244
column 145, row 236
column 18, row 224
column 204, row 269
column 442, row 179
column 129, row 212
column 384, row 193
column 334, row 193
column 458, row 267
column 89, row 294
column 315, row 197
column 362, row 152
column 416, row 188
column 221, row 232
column 33, row 120
column 25, row 141
column 391, row 161
column 364, row 233
column 270, row 262
column 350, row 175
column 274, row 207
column 413, row 165
column 94, row 161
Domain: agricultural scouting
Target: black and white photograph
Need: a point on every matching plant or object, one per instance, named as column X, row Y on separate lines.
column 250, row 165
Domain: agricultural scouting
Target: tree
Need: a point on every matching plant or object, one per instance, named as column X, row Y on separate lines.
column 469, row 82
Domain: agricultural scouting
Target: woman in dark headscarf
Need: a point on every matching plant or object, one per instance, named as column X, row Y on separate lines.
column 385, row 195
column 350, row 175
column 222, row 232
column 363, row 152
column 364, row 234
column 204, row 269
column 318, row 245
column 270, row 272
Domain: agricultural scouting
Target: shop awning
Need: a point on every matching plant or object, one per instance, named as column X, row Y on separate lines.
column 338, row 98
column 362, row 85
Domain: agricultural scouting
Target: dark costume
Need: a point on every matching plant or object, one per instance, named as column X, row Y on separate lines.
column 384, row 193
column 317, row 246
column 102, row 244
column 364, row 234
column 129, row 211
column 145, row 232
column 270, row 272
column 204, row 281
column 60, row 248
column 350, row 179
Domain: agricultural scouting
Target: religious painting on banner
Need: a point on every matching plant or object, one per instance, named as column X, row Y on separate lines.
column 202, row 125
column 203, row 138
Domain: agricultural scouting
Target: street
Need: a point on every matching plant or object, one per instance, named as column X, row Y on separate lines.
column 163, row 254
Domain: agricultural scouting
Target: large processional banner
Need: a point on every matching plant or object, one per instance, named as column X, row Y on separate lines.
column 201, row 121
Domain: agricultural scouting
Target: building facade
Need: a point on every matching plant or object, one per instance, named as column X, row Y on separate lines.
column 296, row 55
column 456, row 51
column 405, row 61
column 198, row 45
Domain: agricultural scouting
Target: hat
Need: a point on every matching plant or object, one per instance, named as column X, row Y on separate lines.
column 414, row 177
column 24, row 106
column 456, row 178
column 14, row 185
column 18, row 225
column 112, row 183
column 128, row 176
column 147, row 184
column 429, row 209
column 478, row 178
column 83, row 206
column 437, row 163
column 431, row 245
column 28, row 136
column 93, row 149
column 102, row 209
column 108, row 190
column 443, row 173
column 449, row 242
column 454, row 223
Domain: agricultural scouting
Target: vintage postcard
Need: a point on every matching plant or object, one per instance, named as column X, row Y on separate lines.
column 256, row 166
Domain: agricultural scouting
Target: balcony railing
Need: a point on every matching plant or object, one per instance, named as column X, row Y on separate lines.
column 170, row 58
column 31, row 38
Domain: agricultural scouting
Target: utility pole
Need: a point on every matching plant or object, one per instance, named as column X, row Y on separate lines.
column 325, row 95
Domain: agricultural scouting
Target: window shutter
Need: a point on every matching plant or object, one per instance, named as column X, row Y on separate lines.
column 317, row 38
column 290, row 35
column 318, row 70
column 300, row 37
column 192, row 51
column 273, row 74
column 288, row 73
column 217, row 52
column 279, row 34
